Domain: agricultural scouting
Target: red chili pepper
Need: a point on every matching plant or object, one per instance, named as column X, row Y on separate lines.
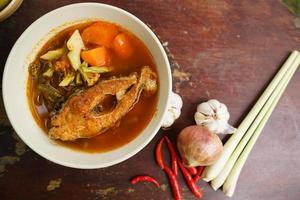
column 173, row 156
column 199, row 173
column 158, row 154
column 144, row 179
column 192, row 170
column 174, row 183
column 192, row 185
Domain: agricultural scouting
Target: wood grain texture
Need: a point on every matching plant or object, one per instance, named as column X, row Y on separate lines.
column 229, row 50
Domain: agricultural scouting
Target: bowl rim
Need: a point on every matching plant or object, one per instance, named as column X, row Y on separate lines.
column 10, row 9
column 128, row 155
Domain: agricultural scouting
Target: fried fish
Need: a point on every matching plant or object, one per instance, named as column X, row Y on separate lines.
column 78, row 118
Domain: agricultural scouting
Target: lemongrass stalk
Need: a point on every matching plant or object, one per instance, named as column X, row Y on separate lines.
column 212, row 171
column 230, row 183
column 221, row 177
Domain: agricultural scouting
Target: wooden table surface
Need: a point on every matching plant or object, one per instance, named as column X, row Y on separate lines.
column 228, row 50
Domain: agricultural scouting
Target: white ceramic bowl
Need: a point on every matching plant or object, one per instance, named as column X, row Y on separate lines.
column 16, row 73
column 9, row 9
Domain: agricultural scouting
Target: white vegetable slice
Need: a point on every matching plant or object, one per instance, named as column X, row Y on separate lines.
column 67, row 80
column 75, row 45
column 54, row 54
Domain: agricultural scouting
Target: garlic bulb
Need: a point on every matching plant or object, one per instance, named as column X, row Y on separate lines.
column 214, row 115
column 174, row 110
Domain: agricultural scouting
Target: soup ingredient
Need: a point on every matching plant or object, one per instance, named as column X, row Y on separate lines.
column 77, row 118
column 100, row 33
column 293, row 5
column 49, row 71
column 188, row 178
column 173, row 156
column 200, row 170
column 192, row 170
column 62, row 65
column 50, row 92
column 174, row 110
column 214, row 115
column 172, row 151
column 158, row 154
column 198, row 146
column 171, row 175
column 144, row 179
column 34, row 69
column 96, row 57
column 174, row 183
column 75, row 45
column 122, row 45
column 67, row 79
column 88, row 77
column 54, row 54
column 229, row 175
column 96, row 70
column 3, row 3
column 212, row 171
column 184, row 171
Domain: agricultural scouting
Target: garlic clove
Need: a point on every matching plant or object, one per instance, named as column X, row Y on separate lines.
column 222, row 112
column 214, row 104
column 229, row 129
column 202, row 119
column 168, row 120
column 205, row 109
column 175, row 101
column 174, row 110
column 214, row 115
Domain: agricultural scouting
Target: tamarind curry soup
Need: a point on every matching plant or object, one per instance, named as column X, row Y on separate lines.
column 93, row 87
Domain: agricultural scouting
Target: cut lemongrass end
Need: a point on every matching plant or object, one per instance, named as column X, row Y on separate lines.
column 231, row 181
column 220, row 179
column 212, row 171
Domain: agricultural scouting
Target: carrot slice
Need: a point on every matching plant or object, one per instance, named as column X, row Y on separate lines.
column 123, row 46
column 100, row 33
column 96, row 57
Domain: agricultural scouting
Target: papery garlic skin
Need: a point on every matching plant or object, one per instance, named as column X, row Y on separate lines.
column 174, row 110
column 214, row 115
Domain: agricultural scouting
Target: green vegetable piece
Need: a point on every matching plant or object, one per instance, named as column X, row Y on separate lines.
column 34, row 69
column 67, row 80
column 3, row 3
column 48, row 72
column 75, row 45
column 78, row 79
column 293, row 5
column 50, row 92
column 90, row 78
column 54, row 54
column 94, row 69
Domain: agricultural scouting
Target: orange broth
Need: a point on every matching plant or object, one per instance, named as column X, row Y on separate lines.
column 131, row 125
